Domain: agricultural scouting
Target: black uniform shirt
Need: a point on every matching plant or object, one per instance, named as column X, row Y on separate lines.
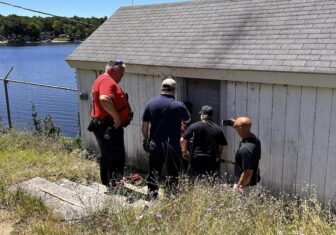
column 208, row 136
column 247, row 157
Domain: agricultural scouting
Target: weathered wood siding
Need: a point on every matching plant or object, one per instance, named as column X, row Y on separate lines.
column 295, row 127
column 84, row 79
column 294, row 124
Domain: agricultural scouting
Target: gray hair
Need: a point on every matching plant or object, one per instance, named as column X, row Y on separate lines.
column 114, row 64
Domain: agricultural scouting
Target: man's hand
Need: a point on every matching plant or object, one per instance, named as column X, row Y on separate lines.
column 185, row 155
column 237, row 188
column 117, row 122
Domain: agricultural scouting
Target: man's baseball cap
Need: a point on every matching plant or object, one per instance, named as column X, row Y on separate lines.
column 206, row 109
column 168, row 84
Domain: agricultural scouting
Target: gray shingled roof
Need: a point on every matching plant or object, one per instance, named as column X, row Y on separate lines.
column 277, row 35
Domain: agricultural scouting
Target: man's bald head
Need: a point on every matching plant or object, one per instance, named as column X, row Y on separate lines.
column 242, row 125
column 243, row 122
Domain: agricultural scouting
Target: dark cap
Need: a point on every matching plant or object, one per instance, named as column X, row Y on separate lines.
column 207, row 110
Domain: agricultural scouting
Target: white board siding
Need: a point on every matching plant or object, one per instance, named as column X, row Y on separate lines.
column 230, row 133
column 241, row 105
column 136, row 82
column 277, row 136
column 321, row 136
column 292, row 118
column 330, row 173
column 265, row 131
column 142, row 88
column 306, row 136
column 294, row 124
column 85, row 78
column 253, row 94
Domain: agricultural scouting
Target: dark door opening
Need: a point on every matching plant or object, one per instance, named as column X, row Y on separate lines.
column 203, row 92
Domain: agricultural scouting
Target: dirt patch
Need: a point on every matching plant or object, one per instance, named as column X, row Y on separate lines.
column 6, row 224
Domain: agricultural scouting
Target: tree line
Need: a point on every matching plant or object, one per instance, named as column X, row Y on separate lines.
column 23, row 28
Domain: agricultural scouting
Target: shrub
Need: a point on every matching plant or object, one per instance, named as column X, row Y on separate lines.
column 47, row 127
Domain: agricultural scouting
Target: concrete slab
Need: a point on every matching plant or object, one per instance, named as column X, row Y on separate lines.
column 93, row 197
column 74, row 201
column 62, row 200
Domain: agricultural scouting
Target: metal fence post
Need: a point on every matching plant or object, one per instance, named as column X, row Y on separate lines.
column 7, row 98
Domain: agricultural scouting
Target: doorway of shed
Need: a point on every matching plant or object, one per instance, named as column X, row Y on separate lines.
column 202, row 92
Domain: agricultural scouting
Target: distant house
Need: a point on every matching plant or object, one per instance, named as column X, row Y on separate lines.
column 272, row 60
column 45, row 36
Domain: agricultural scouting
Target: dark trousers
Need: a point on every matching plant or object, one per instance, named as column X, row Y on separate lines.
column 112, row 160
column 164, row 164
column 203, row 166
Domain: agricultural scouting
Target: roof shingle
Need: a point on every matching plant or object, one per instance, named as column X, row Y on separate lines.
column 282, row 35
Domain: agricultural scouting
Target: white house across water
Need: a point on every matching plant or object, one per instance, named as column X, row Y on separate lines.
column 271, row 60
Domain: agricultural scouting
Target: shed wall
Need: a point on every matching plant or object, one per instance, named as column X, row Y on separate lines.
column 294, row 124
column 295, row 127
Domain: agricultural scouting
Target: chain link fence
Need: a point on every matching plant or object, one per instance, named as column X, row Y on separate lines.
column 17, row 99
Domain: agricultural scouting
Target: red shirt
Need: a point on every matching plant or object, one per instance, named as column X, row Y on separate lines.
column 105, row 85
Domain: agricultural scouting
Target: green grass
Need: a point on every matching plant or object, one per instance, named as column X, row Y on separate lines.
column 24, row 156
column 202, row 208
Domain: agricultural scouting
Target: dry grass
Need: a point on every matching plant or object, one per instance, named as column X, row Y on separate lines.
column 202, row 208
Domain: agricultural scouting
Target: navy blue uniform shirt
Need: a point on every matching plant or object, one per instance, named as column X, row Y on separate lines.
column 172, row 112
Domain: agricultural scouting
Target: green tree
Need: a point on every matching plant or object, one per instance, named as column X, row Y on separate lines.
column 57, row 27
column 15, row 27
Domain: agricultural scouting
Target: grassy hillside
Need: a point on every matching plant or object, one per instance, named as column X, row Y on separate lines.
column 203, row 208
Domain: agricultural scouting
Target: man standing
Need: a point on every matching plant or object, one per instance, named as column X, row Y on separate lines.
column 209, row 144
column 247, row 157
column 164, row 116
column 110, row 113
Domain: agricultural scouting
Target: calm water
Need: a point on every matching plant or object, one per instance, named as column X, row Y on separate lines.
column 40, row 64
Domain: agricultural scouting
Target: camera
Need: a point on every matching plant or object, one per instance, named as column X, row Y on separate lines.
column 228, row 122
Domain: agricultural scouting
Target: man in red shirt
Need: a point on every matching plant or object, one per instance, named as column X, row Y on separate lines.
column 110, row 108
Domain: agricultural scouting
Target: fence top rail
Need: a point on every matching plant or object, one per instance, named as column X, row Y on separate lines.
column 38, row 84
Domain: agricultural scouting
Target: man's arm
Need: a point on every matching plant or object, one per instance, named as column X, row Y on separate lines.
column 144, row 130
column 183, row 143
column 222, row 151
column 245, row 178
column 184, row 148
column 108, row 105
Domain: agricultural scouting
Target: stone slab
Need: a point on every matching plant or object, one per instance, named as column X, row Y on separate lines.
column 62, row 200
column 94, row 197
column 74, row 201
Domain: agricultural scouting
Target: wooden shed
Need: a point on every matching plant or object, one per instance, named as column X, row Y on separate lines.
column 272, row 60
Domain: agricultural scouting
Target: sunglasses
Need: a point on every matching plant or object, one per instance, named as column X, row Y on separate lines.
column 238, row 127
column 119, row 62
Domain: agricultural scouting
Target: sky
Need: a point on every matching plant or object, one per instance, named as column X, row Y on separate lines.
column 68, row 8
